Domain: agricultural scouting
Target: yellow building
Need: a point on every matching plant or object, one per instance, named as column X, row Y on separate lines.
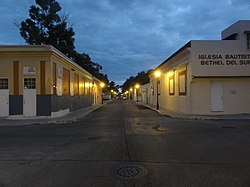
column 207, row 77
column 41, row 81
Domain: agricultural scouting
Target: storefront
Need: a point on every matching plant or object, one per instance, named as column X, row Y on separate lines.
column 207, row 77
column 41, row 81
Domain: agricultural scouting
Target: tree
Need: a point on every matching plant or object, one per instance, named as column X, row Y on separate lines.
column 85, row 61
column 141, row 78
column 45, row 26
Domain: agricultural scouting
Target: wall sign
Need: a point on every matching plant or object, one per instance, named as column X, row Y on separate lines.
column 224, row 60
column 29, row 70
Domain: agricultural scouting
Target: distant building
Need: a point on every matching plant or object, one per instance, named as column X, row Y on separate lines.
column 41, row 81
column 145, row 91
column 208, row 77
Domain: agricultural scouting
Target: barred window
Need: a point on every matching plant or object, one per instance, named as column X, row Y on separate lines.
column 29, row 83
column 4, row 83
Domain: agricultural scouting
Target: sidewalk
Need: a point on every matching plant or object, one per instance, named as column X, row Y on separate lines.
column 172, row 114
column 70, row 117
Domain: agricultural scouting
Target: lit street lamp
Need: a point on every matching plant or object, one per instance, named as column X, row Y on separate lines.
column 157, row 75
column 102, row 86
column 137, row 90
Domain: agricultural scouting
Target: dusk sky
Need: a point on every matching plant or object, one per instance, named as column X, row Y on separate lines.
column 130, row 36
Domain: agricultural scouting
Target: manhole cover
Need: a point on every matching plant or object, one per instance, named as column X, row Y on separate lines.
column 130, row 172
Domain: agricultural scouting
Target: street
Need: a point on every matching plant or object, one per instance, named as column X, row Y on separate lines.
column 125, row 144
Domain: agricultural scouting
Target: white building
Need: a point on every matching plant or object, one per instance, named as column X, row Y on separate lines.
column 207, row 76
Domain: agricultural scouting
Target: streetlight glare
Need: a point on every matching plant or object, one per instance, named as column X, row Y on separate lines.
column 102, row 84
column 157, row 73
column 137, row 86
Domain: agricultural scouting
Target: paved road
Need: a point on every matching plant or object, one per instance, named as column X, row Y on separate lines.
column 123, row 144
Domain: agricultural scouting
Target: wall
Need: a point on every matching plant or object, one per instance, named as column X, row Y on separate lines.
column 236, row 93
column 145, row 89
column 176, row 101
column 219, row 58
column 84, row 91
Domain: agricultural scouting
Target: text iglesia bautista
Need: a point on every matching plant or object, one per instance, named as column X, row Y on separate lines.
column 227, row 56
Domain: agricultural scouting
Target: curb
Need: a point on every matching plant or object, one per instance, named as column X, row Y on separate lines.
column 63, row 120
column 199, row 117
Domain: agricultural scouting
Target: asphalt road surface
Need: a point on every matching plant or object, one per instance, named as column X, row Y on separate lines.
column 124, row 144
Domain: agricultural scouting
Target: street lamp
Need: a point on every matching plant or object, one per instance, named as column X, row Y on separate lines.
column 137, row 86
column 102, row 86
column 157, row 75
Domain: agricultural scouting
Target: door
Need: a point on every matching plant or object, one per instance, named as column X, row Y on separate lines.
column 29, row 97
column 4, row 97
column 217, row 100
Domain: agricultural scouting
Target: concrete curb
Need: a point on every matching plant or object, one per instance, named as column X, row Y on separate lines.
column 70, row 118
column 199, row 117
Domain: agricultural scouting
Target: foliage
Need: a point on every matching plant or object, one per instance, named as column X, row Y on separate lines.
column 46, row 26
column 113, row 86
column 141, row 78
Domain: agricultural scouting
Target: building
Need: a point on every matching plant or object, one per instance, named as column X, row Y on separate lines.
column 41, row 81
column 207, row 77
column 145, row 92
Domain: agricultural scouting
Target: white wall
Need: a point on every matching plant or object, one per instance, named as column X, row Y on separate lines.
column 177, row 103
column 212, row 58
column 236, row 93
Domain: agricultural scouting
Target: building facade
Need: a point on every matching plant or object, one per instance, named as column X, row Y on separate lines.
column 41, row 81
column 207, row 77
column 145, row 93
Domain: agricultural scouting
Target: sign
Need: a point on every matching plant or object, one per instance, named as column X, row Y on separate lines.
column 224, row 60
column 29, row 70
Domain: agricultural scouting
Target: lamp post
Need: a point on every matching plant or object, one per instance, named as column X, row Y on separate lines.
column 157, row 75
column 102, row 86
column 137, row 86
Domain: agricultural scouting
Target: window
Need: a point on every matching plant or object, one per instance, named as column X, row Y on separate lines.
column 87, row 85
column 171, row 85
column 182, row 83
column 66, row 81
column 4, row 83
column 152, row 90
column 29, row 83
column 83, row 86
column 76, row 84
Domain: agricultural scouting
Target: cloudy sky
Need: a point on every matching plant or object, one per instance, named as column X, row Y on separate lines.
column 130, row 36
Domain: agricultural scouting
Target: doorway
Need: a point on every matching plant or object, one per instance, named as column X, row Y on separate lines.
column 4, row 97
column 29, row 97
column 217, row 96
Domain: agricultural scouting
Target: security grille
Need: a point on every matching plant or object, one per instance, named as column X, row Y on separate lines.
column 29, row 83
column 4, row 83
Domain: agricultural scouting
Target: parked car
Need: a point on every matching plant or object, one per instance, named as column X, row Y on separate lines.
column 118, row 97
